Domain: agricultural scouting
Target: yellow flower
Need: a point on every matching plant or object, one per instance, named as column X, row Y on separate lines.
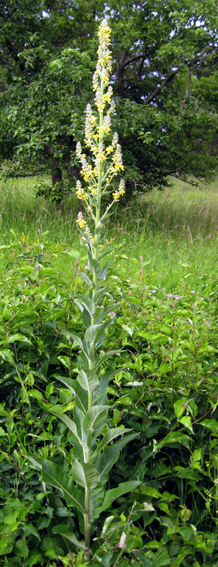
column 81, row 221
column 116, row 195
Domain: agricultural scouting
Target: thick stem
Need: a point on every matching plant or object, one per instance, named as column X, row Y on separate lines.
column 93, row 318
column 87, row 519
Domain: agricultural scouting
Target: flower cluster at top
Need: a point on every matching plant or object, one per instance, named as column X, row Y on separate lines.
column 106, row 161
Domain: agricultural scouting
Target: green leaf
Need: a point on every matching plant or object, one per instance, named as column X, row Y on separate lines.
column 20, row 548
column 186, row 421
column 95, row 334
column 85, row 278
column 115, row 493
column 161, row 558
column 180, row 406
column 105, row 356
column 18, row 337
column 174, row 437
column 79, row 342
column 88, row 380
column 83, row 301
column 80, row 394
column 210, row 424
column 106, row 460
column 52, row 474
column 36, row 462
column 63, row 531
column 6, row 355
column 96, row 417
column 86, row 475
column 71, row 426
column 2, row 432
column 109, row 436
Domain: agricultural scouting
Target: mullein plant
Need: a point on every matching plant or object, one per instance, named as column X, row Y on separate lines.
column 96, row 447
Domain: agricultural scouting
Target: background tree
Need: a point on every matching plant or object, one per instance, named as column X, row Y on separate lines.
column 165, row 76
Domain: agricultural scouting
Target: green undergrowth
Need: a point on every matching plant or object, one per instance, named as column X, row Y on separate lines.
column 166, row 390
column 163, row 280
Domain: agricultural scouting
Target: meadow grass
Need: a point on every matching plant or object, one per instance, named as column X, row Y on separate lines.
column 174, row 231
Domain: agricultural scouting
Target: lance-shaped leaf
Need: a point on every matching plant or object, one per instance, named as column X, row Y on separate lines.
column 108, row 437
column 71, row 426
column 88, row 380
column 102, row 272
column 85, row 278
column 99, row 295
column 84, row 302
column 96, row 417
column 93, row 265
column 80, row 394
column 95, row 334
column 106, row 460
column 85, row 474
column 115, row 493
column 105, row 253
column 105, row 356
column 63, row 531
column 100, row 396
column 53, row 474
column 79, row 342
column 36, row 462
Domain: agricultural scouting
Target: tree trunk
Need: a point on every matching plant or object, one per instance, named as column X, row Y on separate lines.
column 56, row 171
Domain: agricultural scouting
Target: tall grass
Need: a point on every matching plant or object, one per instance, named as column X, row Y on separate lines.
column 175, row 231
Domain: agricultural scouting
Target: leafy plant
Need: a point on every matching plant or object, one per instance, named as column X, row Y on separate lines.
column 96, row 447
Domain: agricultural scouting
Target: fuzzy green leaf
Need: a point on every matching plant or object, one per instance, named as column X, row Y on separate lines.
column 86, row 475
column 108, row 437
column 106, row 460
column 96, row 417
column 53, row 474
column 85, row 302
column 71, row 426
column 95, row 334
column 114, row 493
column 85, row 278
column 63, row 531
column 88, row 380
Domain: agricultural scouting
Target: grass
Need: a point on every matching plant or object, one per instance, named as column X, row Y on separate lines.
column 174, row 231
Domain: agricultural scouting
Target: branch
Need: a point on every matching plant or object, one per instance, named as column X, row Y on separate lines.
column 136, row 58
column 187, row 91
column 158, row 89
column 190, row 64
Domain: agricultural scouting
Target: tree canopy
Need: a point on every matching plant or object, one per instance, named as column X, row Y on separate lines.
column 165, row 82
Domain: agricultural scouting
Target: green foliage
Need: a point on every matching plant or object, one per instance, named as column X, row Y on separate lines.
column 165, row 77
